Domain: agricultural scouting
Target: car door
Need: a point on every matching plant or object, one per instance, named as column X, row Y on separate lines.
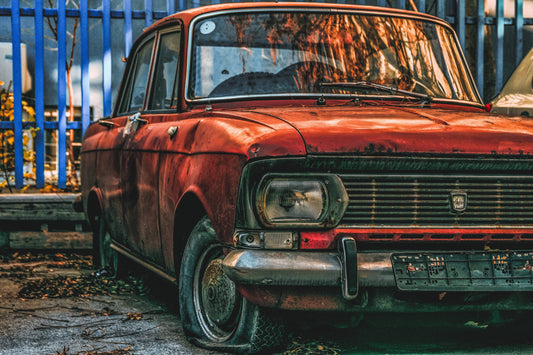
column 142, row 145
column 162, row 108
column 110, row 163
column 131, row 106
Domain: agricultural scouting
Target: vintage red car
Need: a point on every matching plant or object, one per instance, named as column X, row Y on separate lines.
column 305, row 156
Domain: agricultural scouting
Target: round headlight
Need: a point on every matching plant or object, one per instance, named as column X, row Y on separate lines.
column 287, row 200
column 297, row 201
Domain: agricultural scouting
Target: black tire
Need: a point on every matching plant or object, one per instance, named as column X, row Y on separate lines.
column 106, row 257
column 213, row 313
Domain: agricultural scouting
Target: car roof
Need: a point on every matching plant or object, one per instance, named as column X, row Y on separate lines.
column 187, row 15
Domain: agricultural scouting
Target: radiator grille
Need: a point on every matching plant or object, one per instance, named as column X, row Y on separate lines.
column 425, row 201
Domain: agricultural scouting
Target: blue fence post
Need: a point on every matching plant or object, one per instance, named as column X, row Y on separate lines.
column 461, row 23
column 171, row 7
column 400, row 4
column 148, row 13
column 127, row 28
column 61, row 95
column 422, row 6
column 17, row 94
column 106, row 57
column 182, row 4
column 519, row 27
column 480, row 49
column 85, row 80
column 39, row 95
column 441, row 9
column 499, row 45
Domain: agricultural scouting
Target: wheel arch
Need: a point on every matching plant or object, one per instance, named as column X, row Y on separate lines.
column 189, row 211
column 94, row 206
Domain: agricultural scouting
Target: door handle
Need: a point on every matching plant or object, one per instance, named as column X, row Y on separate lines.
column 134, row 121
column 106, row 123
column 136, row 118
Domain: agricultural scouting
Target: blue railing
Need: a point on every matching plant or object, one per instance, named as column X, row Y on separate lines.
column 454, row 11
column 39, row 12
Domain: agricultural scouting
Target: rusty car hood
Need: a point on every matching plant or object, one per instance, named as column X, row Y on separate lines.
column 341, row 130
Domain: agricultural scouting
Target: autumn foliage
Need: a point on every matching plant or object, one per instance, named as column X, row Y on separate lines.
column 7, row 139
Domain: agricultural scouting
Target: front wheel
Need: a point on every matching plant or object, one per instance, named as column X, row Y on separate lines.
column 213, row 313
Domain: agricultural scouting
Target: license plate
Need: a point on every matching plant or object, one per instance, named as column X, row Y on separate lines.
column 464, row 271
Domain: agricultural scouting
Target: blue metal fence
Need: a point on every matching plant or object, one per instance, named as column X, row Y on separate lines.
column 39, row 12
column 454, row 11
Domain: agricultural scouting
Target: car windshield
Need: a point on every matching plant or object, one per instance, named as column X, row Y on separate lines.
column 295, row 53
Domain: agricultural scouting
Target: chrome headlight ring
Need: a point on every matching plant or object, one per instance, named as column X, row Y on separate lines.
column 289, row 200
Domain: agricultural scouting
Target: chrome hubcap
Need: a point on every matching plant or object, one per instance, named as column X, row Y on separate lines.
column 219, row 295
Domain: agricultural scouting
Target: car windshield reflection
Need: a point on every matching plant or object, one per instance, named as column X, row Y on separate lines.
column 247, row 54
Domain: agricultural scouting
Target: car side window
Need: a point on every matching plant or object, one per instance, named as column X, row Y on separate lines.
column 165, row 72
column 133, row 99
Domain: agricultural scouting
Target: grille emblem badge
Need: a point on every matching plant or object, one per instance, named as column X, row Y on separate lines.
column 458, row 200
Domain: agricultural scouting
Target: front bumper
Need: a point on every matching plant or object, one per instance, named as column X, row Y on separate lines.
column 312, row 280
column 305, row 268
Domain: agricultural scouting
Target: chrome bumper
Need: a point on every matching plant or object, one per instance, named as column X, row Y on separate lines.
column 305, row 268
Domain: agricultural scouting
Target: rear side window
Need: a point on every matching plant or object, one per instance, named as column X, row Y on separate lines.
column 163, row 90
column 134, row 95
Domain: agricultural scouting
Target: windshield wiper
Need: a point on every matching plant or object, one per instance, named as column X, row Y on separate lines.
column 368, row 85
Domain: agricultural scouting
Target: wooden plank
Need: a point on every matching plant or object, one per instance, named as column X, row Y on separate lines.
column 50, row 240
column 39, row 207
column 16, row 198
column 41, row 215
column 44, row 208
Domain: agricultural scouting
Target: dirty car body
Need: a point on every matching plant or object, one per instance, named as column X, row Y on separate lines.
column 310, row 157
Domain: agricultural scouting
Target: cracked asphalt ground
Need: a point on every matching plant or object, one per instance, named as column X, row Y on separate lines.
column 53, row 306
column 102, row 323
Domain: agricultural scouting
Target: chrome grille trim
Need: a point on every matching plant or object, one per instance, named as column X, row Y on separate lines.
column 411, row 201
